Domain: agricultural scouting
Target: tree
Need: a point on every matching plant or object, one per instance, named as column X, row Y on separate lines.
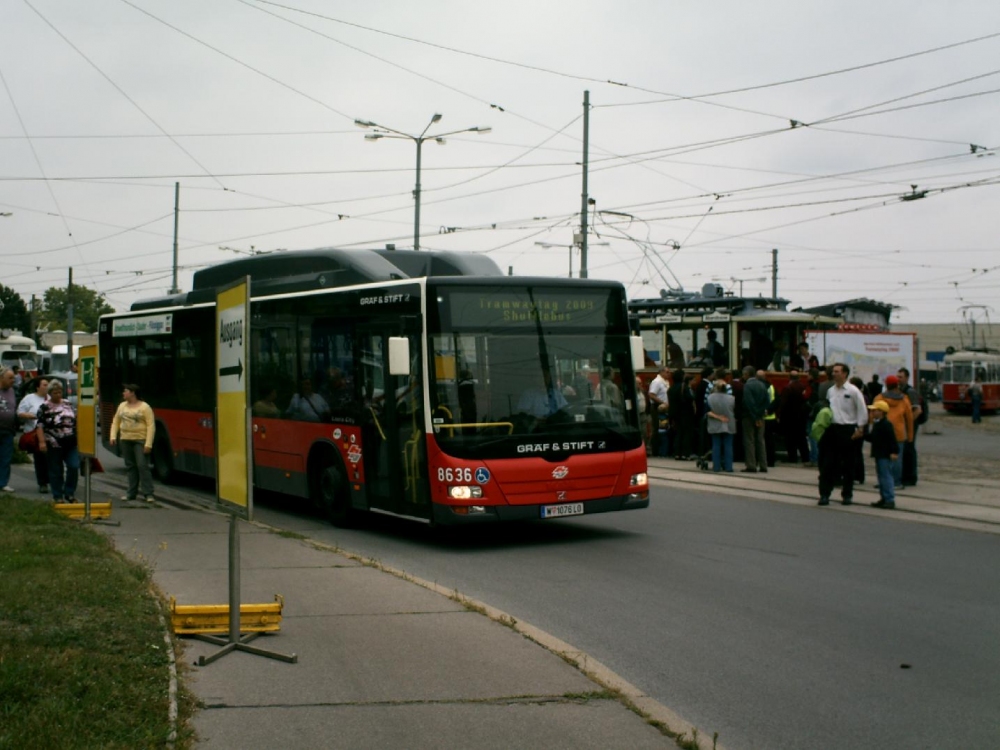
column 88, row 306
column 14, row 313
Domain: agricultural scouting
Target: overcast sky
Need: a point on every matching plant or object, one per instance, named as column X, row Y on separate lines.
column 718, row 131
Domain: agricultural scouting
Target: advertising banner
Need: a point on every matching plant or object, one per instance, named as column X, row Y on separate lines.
column 866, row 353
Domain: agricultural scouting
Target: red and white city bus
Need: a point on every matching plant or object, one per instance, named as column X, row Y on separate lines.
column 957, row 373
column 518, row 403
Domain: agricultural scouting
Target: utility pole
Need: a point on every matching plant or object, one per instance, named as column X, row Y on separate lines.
column 177, row 203
column 774, row 273
column 584, row 197
column 33, row 317
column 69, row 322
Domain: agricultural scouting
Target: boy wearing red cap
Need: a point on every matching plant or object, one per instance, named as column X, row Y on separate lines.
column 885, row 451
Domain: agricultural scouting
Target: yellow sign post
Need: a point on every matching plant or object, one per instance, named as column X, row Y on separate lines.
column 233, row 466
column 86, row 422
column 232, row 419
column 86, row 440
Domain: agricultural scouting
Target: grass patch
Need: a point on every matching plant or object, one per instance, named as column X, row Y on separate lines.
column 83, row 661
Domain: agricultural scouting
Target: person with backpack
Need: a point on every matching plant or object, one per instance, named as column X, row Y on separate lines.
column 919, row 406
column 899, row 413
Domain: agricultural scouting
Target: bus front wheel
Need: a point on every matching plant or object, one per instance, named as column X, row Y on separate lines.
column 333, row 495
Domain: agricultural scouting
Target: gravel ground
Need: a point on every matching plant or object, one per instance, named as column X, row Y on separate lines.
column 949, row 444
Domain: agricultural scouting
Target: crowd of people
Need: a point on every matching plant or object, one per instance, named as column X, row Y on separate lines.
column 44, row 425
column 823, row 416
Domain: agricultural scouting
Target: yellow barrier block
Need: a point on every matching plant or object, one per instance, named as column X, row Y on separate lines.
column 187, row 619
column 78, row 510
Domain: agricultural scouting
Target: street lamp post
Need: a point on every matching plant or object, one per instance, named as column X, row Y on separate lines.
column 574, row 246
column 381, row 131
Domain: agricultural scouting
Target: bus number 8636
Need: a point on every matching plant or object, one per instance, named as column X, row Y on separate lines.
column 455, row 475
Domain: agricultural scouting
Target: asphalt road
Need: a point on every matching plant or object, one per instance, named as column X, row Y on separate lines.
column 776, row 626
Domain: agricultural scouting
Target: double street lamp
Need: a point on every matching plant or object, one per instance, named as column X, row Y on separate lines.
column 381, row 131
column 575, row 246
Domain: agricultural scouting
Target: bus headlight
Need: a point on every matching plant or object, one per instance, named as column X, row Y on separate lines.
column 638, row 480
column 464, row 492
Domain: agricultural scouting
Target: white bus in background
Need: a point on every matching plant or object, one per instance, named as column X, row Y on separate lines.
column 19, row 350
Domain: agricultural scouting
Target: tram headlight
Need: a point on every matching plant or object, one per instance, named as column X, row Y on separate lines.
column 638, row 480
column 464, row 492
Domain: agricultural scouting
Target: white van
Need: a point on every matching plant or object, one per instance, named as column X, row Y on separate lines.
column 60, row 361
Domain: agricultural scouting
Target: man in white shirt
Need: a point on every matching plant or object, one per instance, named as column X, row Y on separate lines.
column 307, row 405
column 850, row 415
column 659, row 406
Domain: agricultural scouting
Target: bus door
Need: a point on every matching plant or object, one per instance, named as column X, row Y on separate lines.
column 393, row 441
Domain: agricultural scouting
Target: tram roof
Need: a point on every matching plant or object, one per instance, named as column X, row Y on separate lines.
column 965, row 355
column 697, row 304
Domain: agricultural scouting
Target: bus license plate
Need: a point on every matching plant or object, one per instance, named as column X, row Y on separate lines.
column 566, row 509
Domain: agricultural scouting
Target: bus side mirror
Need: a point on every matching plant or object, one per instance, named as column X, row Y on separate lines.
column 638, row 353
column 399, row 355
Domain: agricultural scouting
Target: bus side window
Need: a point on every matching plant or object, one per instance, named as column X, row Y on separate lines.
column 272, row 358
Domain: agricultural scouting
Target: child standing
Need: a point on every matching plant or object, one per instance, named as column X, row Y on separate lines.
column 885, row 451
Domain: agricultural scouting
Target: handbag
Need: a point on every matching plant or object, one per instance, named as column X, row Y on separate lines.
column 28, row 442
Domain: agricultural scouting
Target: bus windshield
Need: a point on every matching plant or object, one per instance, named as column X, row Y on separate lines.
column 24, row 360
column 515, row 367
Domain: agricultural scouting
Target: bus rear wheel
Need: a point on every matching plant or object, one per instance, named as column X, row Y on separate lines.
column 163, row 461
column 333, row 496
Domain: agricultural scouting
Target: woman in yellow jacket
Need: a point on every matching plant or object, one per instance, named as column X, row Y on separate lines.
column 900, row 415
column 134, row 427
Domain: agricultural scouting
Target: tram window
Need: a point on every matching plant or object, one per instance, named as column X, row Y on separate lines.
column 652, row 342
column 685, row 340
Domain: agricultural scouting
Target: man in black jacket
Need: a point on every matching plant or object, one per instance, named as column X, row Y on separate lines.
column 755, row 403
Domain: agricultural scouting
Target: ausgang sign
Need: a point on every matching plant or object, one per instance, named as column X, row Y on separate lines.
column 232, row 423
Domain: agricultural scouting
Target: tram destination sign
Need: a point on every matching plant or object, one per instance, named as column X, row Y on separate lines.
column 716, row 317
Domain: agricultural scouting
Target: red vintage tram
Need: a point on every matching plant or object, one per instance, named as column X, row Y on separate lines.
column 958, row 372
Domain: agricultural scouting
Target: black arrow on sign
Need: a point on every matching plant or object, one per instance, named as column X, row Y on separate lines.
column 236, row 370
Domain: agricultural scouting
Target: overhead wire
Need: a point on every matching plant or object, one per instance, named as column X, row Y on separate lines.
column 527, row 183
column 118, row 88
column 755, row 135
column 592, row 79
column 41, row 167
